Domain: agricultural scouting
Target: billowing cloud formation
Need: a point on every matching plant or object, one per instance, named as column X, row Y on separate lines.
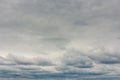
column 59, row 38
column 105, row 57
column 71, row 64
column 17, row 60
column 76, row 59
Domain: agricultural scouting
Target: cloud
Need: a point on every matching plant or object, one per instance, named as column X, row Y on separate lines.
column 33, row 26
column 59, row 38
column 72, row 64
column 21, row 60
column 76, row 59
column 105, row 56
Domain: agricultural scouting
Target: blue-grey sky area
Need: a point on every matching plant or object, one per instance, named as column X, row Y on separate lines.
column 65, row 39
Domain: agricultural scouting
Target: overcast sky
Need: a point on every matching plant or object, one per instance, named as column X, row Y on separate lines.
column 60, row 38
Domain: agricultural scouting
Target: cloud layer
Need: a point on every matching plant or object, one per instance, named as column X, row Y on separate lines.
column 59, row 38
column 71, row 64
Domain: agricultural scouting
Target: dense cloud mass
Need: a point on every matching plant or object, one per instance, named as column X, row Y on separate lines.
column 60, row 39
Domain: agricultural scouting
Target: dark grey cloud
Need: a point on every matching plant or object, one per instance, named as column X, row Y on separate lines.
column 106, row 57
column 42, row 74
column 77, row 59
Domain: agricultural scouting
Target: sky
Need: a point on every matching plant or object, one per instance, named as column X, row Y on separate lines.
column 65, row 39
